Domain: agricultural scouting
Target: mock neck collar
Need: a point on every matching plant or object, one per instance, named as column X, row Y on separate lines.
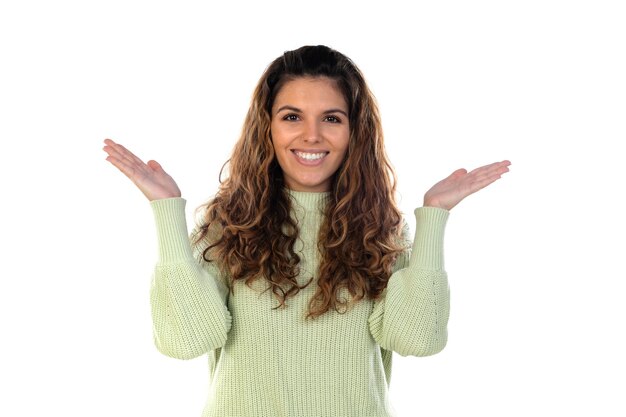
column 310, row 201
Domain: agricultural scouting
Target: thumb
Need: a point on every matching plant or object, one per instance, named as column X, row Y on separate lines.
column 155, row 165
column 459, row 172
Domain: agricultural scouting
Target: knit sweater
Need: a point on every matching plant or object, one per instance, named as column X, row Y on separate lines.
column 266, row 362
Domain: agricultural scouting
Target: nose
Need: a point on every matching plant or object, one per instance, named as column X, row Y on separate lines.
column 312, row 133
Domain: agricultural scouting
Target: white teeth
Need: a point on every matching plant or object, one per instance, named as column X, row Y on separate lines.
column 311, row 156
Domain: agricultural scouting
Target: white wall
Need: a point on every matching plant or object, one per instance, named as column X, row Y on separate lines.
column 535, row 261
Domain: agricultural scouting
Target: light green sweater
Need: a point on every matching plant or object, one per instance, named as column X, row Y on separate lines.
column 273, row 363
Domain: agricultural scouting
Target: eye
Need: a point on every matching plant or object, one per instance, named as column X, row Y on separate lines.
column 334, row 119
column 290, row 117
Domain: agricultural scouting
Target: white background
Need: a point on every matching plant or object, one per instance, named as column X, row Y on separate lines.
column 535, row 261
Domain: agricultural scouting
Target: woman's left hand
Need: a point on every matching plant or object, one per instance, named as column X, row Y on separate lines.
column 449, row 192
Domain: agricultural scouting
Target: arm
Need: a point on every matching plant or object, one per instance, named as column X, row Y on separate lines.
column 411, row 316
column 188, row 301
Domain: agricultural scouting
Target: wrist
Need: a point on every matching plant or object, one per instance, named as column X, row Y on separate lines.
column 428, row 203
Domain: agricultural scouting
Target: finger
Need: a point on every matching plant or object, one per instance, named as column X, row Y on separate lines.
column 456, row 175
column 495, row 165
column 118, row 153
column 491, row 169
column 497, row 170
column 123, row 166
column 131, row 155
column 124, row 153
column 460, row 171
column 485, row 168
column 502, row 166
column 114, row 149
column 482, row 183
column 155, row 165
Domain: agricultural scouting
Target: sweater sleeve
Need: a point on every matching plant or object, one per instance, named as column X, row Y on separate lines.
column 188, row 300
column 411, row 316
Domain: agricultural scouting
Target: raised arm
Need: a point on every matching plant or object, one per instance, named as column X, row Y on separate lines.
column 412, row 315
column 188, row 300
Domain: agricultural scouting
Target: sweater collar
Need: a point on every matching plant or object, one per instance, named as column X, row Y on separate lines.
column 309, row 201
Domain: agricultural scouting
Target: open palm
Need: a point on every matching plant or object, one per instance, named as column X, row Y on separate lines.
column 150, row 178
column 449, row 192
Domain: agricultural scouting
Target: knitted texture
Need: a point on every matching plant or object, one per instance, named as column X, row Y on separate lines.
column 271, row 363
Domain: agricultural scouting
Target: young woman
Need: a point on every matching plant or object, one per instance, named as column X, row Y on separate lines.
column 301, row 280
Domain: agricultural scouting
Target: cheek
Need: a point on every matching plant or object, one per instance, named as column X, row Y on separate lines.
column 344, row 153
column 345, row 143
column 277, row 136
column 274, row 131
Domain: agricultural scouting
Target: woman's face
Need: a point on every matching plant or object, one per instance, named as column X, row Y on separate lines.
column 310, row 132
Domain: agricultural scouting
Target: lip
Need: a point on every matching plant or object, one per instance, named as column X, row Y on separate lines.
column 307, row 162
column 309, row 150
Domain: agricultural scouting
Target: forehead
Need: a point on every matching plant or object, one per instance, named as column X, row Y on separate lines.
column 310, row 90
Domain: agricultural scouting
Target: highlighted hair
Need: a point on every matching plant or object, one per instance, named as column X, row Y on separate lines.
column 247, row 228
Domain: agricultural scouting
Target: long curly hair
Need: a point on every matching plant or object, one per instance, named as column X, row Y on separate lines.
column 247, row 227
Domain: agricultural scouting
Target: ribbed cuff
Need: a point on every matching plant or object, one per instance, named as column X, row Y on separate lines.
column 430, row 226
column 172, row 234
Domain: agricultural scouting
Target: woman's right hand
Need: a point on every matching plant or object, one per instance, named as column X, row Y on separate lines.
column 150, row 178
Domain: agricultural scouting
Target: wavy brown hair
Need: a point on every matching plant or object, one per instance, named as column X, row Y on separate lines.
column 247, row 227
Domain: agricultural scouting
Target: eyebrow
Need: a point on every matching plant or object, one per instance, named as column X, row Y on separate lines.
column 297, row 110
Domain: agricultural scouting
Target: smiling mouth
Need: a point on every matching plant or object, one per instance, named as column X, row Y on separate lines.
column 310, row 156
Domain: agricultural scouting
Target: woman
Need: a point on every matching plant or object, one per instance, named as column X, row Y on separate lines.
column 308, row 211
